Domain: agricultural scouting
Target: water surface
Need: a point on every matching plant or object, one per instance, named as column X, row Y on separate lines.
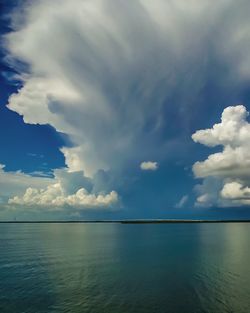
column 123, row 268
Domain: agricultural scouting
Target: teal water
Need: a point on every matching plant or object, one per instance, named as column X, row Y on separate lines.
column 116, row 268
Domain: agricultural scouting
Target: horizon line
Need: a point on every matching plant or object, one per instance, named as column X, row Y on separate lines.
column 130, row 221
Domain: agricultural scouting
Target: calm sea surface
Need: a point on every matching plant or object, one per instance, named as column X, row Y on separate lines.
column 115, row 268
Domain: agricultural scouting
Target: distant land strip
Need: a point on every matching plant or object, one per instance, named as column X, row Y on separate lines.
column 134, row 221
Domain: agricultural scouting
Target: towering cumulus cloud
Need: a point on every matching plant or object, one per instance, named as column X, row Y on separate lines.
column 123, row 79
column 104, row 72
column 231, row 167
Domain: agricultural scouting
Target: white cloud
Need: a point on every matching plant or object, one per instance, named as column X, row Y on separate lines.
column 149, row 166
column 64, row 189
column 232, row 164
column 104, row 72
column 54, row 196
column 236, row 192
column 233, row 129
column 233, row 134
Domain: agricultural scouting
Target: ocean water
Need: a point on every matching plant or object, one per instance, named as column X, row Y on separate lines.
column 123, row 268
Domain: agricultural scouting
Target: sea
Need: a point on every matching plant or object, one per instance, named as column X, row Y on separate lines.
column 125, row 268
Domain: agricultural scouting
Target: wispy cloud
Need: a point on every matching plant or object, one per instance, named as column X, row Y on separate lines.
column 182, row 202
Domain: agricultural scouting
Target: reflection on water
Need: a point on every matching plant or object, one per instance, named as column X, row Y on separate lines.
column 124, row 268
column 223, row 271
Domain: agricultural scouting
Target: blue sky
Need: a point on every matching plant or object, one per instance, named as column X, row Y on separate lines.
column 109, row 109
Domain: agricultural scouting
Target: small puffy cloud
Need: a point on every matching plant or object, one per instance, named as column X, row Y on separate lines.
column 231, row 165
column 54, row 196
column 149, row 166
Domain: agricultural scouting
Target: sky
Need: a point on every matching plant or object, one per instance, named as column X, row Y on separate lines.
column 116, row 109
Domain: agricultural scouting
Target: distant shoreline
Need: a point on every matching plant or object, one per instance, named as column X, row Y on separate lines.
column 170, row 221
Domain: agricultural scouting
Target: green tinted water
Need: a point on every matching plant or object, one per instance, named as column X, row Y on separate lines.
column 118, row 268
